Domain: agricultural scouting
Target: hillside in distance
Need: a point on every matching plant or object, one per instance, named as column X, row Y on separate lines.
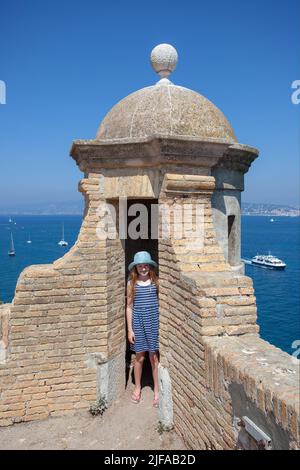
column 277, row 210
column 76, row 208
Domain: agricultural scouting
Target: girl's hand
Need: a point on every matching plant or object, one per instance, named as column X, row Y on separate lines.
column 131, row 337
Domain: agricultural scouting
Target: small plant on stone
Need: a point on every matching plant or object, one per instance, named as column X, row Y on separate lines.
column 161, row 428
column 99, row 407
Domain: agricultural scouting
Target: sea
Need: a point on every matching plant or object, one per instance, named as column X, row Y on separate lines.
column 277, row 292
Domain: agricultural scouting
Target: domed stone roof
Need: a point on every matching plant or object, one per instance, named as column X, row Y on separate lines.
column 165, row 109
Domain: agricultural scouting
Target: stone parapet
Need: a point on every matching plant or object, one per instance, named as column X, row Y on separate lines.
column 61, row 318
column 258, row 381
column 218, row 379
column 4, row 325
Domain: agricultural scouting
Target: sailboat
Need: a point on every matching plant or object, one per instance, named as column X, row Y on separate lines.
column 62, row 242
column 9, row 220
column 28, row 241
column 12, row 248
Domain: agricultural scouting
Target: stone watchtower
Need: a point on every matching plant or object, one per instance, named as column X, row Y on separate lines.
column 169, row 146
column 162, row 147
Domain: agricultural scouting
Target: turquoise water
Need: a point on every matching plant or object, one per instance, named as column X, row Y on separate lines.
column 277, row 292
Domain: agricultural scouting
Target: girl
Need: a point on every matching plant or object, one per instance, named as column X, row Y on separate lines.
column 142, row 319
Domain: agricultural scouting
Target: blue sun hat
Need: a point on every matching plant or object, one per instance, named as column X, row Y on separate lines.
column 142, row 257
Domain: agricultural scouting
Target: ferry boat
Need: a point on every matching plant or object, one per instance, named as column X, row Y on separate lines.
column 268, row 261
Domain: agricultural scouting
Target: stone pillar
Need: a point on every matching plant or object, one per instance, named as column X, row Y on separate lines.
column 187, row 198
column 200, row 296
column 111, row 361
column 226, row 201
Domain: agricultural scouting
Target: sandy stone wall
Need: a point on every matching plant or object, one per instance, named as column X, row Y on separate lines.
column 216, row 379
column 4, row 323
column 250, row 377
column 57, row 359
column 208, row 333
column 62, row 340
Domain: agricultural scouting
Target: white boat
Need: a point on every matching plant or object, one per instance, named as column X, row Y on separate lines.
column 63, row 242
column 12, row 248
column 28, row 241
column 9, row 220
column 268, row 261
column 271, row 220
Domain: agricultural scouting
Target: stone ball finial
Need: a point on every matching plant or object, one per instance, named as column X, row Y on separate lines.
column 164, row 59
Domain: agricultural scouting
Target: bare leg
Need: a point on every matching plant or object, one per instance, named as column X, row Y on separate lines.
column 138, row 369
column 154, row 365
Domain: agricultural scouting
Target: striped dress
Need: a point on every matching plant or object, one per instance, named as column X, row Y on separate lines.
column 145, row 321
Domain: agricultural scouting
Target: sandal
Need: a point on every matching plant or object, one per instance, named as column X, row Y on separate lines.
column 155, row 402
column 136, row 397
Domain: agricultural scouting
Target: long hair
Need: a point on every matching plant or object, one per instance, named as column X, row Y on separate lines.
column 133, row 277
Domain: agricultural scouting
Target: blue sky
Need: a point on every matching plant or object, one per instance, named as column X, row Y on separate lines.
column 66, row 63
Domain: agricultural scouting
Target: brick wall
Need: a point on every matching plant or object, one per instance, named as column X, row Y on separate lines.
column 63, row 336
column 219, row 368
column 4, row 323
column 61, row 320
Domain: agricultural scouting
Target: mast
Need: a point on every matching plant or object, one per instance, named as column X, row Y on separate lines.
column 12, row 248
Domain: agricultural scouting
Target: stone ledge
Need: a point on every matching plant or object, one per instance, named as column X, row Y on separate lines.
column 4, row 323
column 269, row 376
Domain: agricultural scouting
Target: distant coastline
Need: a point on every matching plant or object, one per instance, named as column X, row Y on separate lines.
column 48, row 208
column 269, row 215
column 77, row 208
column 18, row 213
column 270, row 210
